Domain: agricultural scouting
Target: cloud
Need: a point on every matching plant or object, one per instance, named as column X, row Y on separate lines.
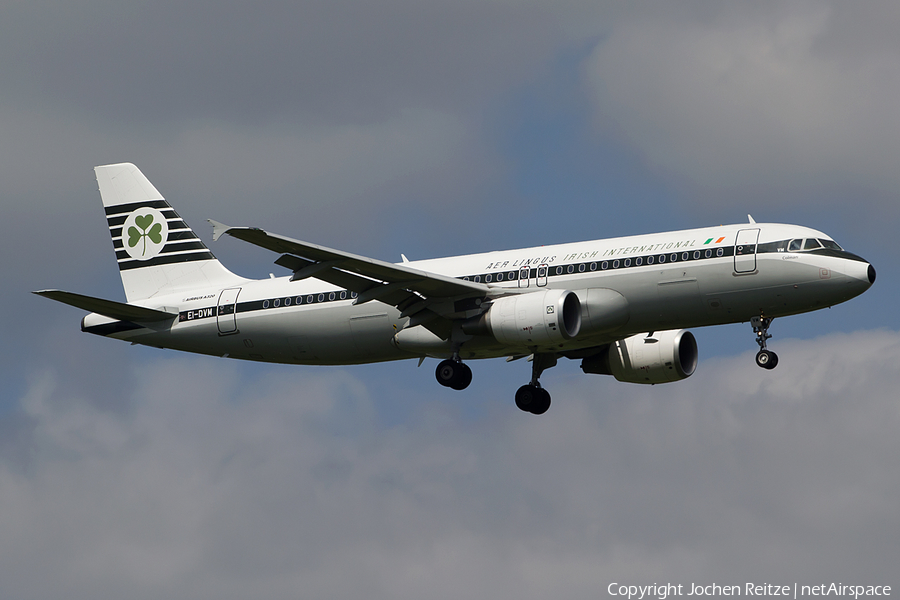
column 289, row 484
column 754, row 103
column 293, row 179
column 123, row 474
column 334, row 61
column 311, row 169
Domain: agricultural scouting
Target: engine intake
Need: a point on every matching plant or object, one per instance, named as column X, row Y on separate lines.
column 660, row 357
column 544, row 318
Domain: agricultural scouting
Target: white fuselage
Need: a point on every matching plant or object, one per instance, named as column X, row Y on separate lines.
column 669, row 280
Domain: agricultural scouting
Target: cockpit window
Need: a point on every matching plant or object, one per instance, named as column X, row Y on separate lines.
column 800, row 245
column 811, row 244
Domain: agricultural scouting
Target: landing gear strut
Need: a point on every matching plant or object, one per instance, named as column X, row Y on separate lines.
column 764, row 358
column 453, row 374
column 532, row 397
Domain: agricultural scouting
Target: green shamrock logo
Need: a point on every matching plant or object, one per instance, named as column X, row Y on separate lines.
column 147, row 230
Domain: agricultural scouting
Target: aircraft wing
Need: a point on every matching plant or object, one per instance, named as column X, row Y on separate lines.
column 372, row 279
column 108, row 308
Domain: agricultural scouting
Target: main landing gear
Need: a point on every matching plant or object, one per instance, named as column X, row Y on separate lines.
column 532, row 397
column 764, row 358
column 452, row 373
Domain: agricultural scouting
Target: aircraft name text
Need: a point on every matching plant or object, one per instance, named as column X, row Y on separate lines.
column 580, row 256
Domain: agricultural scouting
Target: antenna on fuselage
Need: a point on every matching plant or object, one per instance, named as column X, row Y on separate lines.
column 751, row 218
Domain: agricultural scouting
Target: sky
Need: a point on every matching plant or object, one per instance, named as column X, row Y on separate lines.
column 435, row 128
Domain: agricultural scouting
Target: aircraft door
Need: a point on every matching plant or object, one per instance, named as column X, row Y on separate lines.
column 226, row 311
column 745, row 250
column 524, row 277
column 542, row 275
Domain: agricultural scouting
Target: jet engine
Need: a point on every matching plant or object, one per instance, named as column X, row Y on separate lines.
column 602, row 310
column 656, row 357
column 544, row 318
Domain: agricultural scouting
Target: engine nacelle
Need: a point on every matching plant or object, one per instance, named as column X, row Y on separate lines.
column 661, row 357
column 542, row 319
column 602, row 310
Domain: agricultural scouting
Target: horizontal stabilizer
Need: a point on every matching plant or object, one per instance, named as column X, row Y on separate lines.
column 107, row 308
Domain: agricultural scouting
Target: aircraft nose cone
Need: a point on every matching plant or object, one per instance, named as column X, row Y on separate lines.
column 871, row 273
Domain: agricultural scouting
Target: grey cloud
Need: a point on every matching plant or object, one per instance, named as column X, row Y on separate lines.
column 126, row 474
column 287, row 485
column 248, row 62
column 758, row 104
column 298, row 180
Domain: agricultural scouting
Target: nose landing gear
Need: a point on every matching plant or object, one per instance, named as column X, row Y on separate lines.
column 764, row 358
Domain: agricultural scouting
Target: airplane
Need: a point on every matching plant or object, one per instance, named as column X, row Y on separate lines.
column 621, row 306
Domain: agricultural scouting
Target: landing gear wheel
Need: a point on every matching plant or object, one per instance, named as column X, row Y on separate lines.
column 767, row 359
column 453, row 374
column 541, row 403
column 445, row 372
column 530, row 398
column 464, row 377
column 525, row 397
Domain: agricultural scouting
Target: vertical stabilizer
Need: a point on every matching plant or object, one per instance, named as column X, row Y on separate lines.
column 157, row 252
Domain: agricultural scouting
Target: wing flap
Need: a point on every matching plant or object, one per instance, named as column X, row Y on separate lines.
column 108, row 308
column 342, row 267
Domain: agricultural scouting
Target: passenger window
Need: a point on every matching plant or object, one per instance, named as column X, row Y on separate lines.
column 794, row 246
column 811, row 244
